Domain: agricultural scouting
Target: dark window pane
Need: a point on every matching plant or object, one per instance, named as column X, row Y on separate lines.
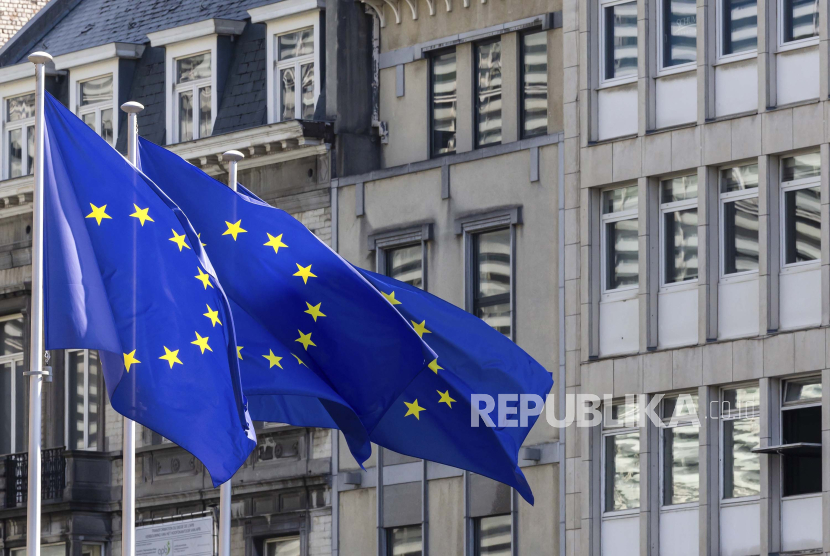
column 193, row 68
column 488, row 93
column 96, row 90
column 801, row 166
column 802, row 474
column 444, row 98
column 15, row 153
column 404, row 541
column 535, row 84
column 739, row 178
column 287, row 94
column 20, row 108
column 681, row 471
column 740, row 236
column 622, row 262
column 404, row 264
column 494, row 536
column 307, row 80
column 681, row 245
column 678, row 189
column 740, row 26
column 186, row 116
column 622, row 472
column 800, row 19
column 294, row 45
column 620, row 40
column 741, row 468
column 802, row 218
column 679, row 32
column 204, row 112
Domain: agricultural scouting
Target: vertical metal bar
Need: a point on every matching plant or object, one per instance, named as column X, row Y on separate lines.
column 39, row 59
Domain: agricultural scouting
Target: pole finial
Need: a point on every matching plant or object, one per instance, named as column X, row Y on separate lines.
column 232, row 156
column 40, row 57
column 132, row 107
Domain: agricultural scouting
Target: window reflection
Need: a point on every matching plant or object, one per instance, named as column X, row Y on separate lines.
column 535, row 84
column 622, row 472
column 488, row 93
column 443, row 103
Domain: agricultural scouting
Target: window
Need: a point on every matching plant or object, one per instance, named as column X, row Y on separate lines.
column 801, row 424
column 679, row 41
column 491, row 277
column 493, row 535
column 20, row 135
column 444, row 100
column 404, row 541
column 92, row 550
column 621, row 459
column 678, row 207
column 295, row 75
column 680, row 455
column 193, row 97
column 740, row 434
column 95, row 105
column 488, row 93
column 801, row 204
column 83, row 399
column 12, row 386
column 534, row 84
column 618, row 39
column 799, row 20
column 406, row 264
column 739, row 224
column 739, row 26
column 621, row 238
column 283, row 546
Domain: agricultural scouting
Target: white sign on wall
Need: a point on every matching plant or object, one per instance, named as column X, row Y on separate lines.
column 192, row 537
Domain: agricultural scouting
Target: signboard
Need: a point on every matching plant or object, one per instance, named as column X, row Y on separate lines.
column 191, row 537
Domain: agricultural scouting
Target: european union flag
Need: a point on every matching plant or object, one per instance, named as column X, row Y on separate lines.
column 125, row 274
column 319, row 346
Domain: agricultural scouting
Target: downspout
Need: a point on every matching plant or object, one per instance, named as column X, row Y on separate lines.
column 382, row 128
column 562, row 373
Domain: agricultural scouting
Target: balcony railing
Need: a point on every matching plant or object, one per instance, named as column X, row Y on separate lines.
column 53, row 476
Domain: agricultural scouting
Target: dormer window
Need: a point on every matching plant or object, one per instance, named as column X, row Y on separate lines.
column 193, row 97
column 295, row 70
column 95, row 106
column 20, row 135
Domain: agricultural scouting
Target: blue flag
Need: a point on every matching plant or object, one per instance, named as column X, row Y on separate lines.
column 319, row 346
column 125, row 274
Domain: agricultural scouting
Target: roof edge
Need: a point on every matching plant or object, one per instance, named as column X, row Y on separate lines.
column 36, row 28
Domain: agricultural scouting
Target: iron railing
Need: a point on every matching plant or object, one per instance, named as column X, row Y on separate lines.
column 53, row 476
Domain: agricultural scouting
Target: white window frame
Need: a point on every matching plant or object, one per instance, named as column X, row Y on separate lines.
column 67, row 396
column 796, row 44
column 787, row 187
column 726, row 58
column 661, row 68
column 722, row 418
column 284, row 18
column 193, row 87
column 8, row 91
column 274, row 540
column 614, row 430
column 613, row 82
column 685, row 421
column 296, row 64
column 789, row 407
column 668, row 208
column 724, row 198
column 17, row 362
column 87, row 73
column 624, row 292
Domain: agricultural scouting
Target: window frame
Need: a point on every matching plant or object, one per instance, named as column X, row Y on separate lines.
column 789, row 406
column 609, row 429
column 663, row 69
column 684, row 421
column 722, row 58
column 623, row 292
column 17, row 361
column 431, row 101
column 669, row 208
column 296, row 64
column 614, row 81
column 787, row 187
column 97, row 108
column 477, row 96
column 722, row 418
column 521, row 73
column 88, row 72
column 67, row 397
column 11, row 126
column 724, row 198
column 193, row 87
column 784, row 46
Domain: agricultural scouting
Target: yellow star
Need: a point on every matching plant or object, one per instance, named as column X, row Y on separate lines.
column 421, row 329
column 304, row 272
column 212, row 315
column 205, row 279
column 239, row 351
column 141, row 214
column 129, row 359
column 98, row 213
column 300, row 361
column 200, row 240
column 390, row 297
column 414, row 409
column 201, row 342
column 273, row 359
column 435, row 367
column 445, row 398
column 314, row 310
column 171, row 357
column 234, row 229
column 305, row 339
column 275, row 242
column 179, row 240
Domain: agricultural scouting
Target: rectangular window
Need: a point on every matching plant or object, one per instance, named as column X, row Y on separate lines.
column 679, row 32
column 619, row 36
column 92, row 550
column 678, row 207
column 283, row 546
column 681, row 447
column 799, row 19
column 406, row 264
column 494, row 536
column 739, row 26
column 295, row 75
column 488, row 93
column 534, row 84
column 193, row 97
column 83, row 399
column 443, row 102
column 801, row 424
column 404, row 541
column 739, row 211
column 740, row 434
column 95, row 105
column 12, row 386
column 621, row 238
column 621, row 459
column 20, row 135
column 492, row 275
column 801, row 203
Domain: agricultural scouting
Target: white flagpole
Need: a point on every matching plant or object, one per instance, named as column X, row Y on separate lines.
column 39, row 59
column 225, row 489
column 128, row 448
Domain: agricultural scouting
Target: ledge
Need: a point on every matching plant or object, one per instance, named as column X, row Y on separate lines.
column 196, row 30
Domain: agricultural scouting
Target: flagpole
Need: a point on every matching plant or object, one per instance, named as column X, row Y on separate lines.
column 36, row 372
column 225, row 490
column 128, row 448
